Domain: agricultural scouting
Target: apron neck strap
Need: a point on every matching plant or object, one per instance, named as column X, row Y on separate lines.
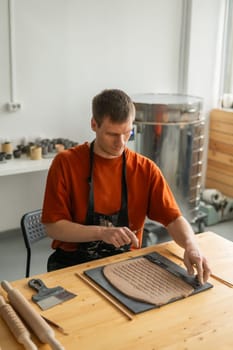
column 124, row 197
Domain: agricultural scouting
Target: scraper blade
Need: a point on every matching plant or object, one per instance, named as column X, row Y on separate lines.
column 48, row 297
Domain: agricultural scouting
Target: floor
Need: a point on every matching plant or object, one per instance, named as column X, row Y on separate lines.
column 13, row 251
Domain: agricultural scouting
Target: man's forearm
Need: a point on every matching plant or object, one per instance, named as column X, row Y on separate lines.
column 182, row 233
column 194, row 260
column 67, row 231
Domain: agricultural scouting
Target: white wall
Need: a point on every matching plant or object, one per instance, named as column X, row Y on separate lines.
column 67, row 51
column 205, row 58
column 18, row 194
column 205, row 46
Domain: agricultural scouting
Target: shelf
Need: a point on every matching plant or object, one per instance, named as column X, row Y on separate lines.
column 24, row 165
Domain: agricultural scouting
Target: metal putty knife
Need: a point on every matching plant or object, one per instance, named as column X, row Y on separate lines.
column 48, row 297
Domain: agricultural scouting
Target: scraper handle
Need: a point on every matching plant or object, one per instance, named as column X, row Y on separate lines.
column 16, row 326
column 37, row 284
column 43, row 331
column 43, row 291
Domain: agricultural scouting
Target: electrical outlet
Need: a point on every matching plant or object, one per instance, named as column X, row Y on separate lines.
column 13, row 106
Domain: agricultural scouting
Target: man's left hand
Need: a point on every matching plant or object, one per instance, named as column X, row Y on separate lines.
column 194, row 260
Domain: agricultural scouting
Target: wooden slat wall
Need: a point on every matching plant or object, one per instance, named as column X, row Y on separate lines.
column 219, row 172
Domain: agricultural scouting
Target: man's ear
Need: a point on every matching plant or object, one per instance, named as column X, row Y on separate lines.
column 93, row 124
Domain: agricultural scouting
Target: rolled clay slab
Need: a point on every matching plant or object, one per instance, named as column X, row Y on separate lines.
column 143, row 280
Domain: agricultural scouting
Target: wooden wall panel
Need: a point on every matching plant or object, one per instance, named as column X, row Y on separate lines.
column 219, row 172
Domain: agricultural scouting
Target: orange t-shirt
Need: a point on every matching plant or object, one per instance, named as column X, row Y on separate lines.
column 67, row 190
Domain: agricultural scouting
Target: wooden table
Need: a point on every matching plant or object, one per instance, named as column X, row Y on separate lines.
column 203, row 321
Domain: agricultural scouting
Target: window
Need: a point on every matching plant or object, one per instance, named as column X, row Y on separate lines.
column 226, row 82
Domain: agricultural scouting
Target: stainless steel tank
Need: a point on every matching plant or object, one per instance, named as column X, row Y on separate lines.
column 170, row 131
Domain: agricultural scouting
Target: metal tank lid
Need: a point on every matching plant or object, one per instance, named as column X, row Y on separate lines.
column 165, row 98
column 168, row 108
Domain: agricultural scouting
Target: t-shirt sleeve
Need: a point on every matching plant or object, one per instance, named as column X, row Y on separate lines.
column 56, row 204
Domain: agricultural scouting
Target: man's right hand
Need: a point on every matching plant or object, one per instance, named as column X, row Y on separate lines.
column 119, row 236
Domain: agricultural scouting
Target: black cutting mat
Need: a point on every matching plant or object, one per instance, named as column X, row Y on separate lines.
column 135, row 306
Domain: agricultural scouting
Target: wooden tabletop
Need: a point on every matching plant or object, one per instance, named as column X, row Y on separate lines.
column 202, row 321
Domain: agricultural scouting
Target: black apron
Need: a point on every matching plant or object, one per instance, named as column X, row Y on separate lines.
column 89, row 251
column 99, row 249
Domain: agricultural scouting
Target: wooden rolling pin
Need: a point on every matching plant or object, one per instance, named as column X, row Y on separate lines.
column 43, row 331
column 16, row 326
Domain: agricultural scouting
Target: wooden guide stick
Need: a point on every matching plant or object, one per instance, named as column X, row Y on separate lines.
column 100, row 291
column 16, row 326
column 43, row 331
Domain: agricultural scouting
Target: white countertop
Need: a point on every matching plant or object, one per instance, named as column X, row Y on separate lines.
column 23, row 165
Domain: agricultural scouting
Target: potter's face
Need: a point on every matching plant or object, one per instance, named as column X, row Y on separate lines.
column 111, row 138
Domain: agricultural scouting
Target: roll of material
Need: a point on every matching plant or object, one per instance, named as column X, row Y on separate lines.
column 212, row 196
column 7, row 147
column 36, row 153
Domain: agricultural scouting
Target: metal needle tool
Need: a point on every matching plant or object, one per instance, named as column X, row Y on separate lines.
column 54, row 324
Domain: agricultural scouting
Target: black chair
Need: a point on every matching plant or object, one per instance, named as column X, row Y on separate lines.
column 33, row 231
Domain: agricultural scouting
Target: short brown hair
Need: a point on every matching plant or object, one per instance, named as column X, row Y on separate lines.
column 114, row 103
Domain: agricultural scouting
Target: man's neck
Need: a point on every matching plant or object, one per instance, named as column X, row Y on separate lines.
column 103, row 153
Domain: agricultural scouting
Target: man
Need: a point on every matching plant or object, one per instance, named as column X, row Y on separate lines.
column 98, row 195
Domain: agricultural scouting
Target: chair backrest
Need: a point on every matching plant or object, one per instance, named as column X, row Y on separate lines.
column 33, row 231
